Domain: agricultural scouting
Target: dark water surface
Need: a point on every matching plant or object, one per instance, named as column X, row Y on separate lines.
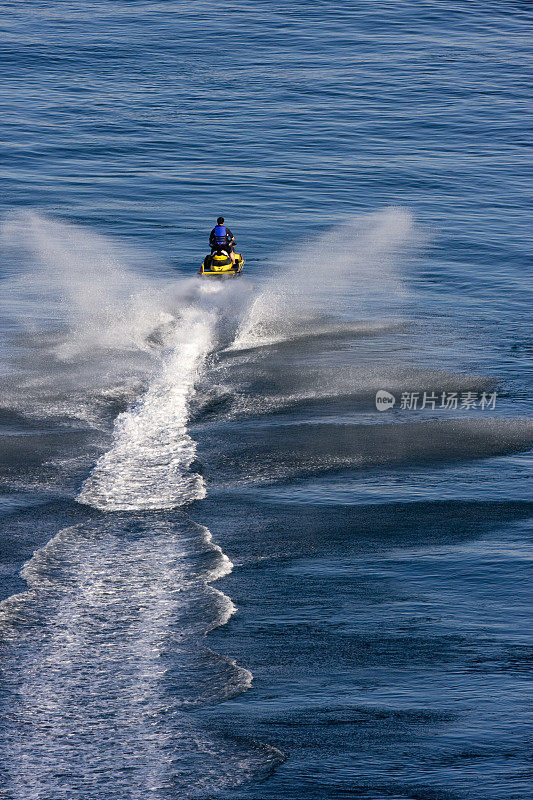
column 225, row 574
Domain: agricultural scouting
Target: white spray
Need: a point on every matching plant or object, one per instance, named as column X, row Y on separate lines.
column 349, row 273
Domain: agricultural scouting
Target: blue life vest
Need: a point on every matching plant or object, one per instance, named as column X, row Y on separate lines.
column 220, row 234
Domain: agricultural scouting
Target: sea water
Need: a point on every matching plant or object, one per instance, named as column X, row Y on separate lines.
column 224, row 572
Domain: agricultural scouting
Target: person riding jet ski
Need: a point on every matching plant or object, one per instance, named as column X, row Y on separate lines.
column 221, row 238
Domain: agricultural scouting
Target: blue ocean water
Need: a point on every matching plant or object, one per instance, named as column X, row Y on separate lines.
column 224, row 573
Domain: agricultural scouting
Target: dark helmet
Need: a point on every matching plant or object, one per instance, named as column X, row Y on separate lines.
column 220, row 221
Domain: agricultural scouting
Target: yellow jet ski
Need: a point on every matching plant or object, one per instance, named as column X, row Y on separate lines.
column 219, row 265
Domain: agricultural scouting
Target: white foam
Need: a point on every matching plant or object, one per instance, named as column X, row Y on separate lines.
column 109, row 619
column 148, row 464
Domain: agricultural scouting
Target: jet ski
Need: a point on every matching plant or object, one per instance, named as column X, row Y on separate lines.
column 219, row 265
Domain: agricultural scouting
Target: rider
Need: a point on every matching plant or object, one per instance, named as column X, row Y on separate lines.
column 221, row 238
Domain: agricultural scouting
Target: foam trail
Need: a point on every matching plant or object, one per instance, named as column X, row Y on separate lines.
column 110, row 637
column 112, row 625
column 350, row 269
column 148, row 464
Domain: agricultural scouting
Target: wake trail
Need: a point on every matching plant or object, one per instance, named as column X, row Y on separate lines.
column 148, row 464
column 105, row 649
column 104, row 661
column 109, row 634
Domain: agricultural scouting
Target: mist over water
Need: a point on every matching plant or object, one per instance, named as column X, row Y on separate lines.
column 110, row 318
column 351, row 271
column 224, row 573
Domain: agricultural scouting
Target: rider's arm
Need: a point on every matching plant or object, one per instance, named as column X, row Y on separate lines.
column 230, row 238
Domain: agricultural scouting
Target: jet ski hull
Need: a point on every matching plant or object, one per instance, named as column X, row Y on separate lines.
column 219, row 265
